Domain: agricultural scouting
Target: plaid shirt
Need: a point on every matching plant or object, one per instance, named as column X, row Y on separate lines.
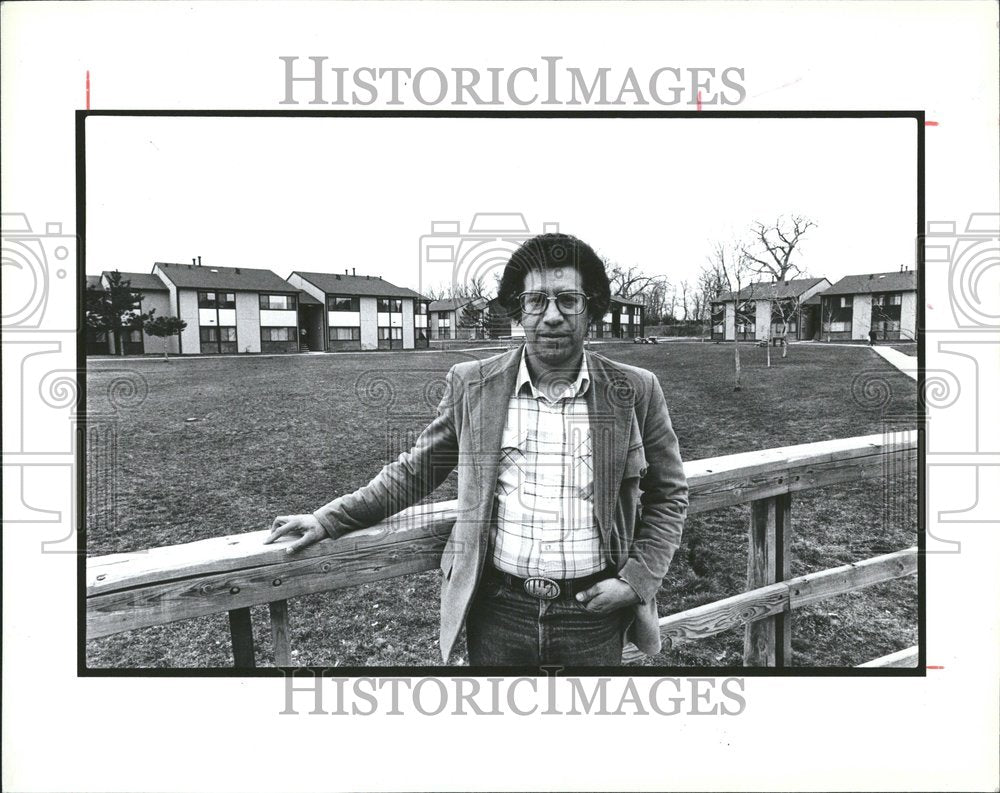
column 544, row 504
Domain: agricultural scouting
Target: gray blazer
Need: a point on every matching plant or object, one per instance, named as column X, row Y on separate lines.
column 640, row 492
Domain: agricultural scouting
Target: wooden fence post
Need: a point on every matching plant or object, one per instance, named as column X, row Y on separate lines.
column 241, row 630
column 280, row 633
column 768, row 642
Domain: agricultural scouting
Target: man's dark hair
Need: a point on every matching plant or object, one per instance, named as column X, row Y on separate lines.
column 552, row 251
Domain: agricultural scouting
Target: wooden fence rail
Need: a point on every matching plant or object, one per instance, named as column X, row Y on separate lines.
column 231, row 573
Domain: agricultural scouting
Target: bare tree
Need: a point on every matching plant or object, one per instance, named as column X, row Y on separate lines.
column 770, row 255
column 439, row 292
column 786, row 308
column 685, row 290
column 473, row 314
column 826, row 316
column 699, row 305
column 631, row 282
column 729, row 268
column 772, row 247
column 657, row 302
column 671, row 303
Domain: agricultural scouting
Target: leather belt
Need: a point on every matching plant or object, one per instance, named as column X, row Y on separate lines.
column 545, row 588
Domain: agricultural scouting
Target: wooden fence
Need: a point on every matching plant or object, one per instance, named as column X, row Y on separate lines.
column 232, row 573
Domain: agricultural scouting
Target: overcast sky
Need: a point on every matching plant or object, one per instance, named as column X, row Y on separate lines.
column 327, row 194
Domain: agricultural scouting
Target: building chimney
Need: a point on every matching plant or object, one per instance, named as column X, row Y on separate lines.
column 901, row 267
column 345, row 271
column 199, row 261
column 354, row 271
column 237, row 270
column 193, row 260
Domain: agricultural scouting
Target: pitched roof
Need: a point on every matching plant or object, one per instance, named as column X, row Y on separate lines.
column 147, row 282
column 238, row 279
column 867, row 283
column 770, row 290
column 94, row 282
column 625, row 301
column 357, row 285
column 451, row 304
column 305, row 299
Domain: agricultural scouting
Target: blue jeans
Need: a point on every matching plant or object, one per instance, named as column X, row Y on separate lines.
column 509, row 627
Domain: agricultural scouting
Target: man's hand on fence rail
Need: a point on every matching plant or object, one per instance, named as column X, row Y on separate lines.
column 305, row 525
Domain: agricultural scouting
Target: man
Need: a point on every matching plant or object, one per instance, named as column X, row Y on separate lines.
column 571, row 489
column 872, row 336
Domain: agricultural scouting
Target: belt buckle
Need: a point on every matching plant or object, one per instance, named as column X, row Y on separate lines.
column 541, row 587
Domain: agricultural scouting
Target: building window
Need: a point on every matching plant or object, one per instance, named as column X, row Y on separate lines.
column 278, row 302
column 213, row 334
column 216, row 300
column 341, row 303
column 218, row 339
column 895, row 299
column 421, row 307
column 277, row 334
column 279, row 339
column 345, row 338
column 390, row 305
column 388, row 338
column 444, row 321
column 846, row 302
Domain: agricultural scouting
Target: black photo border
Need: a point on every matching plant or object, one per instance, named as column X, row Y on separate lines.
column 83, row 670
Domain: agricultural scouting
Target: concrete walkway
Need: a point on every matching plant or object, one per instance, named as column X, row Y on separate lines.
column 175, row 357
column 907, row 364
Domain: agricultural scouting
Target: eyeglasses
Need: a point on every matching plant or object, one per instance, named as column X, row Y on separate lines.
column 566, row 302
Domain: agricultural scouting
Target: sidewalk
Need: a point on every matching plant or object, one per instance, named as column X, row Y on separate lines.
column 907, row 364
column 258, row 355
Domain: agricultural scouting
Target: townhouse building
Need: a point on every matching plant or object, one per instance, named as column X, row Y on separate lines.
column 232, row 310
column 768, row 310
column 883, row 302
column 362, row 312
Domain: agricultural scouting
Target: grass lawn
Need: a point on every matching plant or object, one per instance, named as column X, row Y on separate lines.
column 282, row 435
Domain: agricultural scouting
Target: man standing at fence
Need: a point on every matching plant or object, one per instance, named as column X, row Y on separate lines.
column 571, row 489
